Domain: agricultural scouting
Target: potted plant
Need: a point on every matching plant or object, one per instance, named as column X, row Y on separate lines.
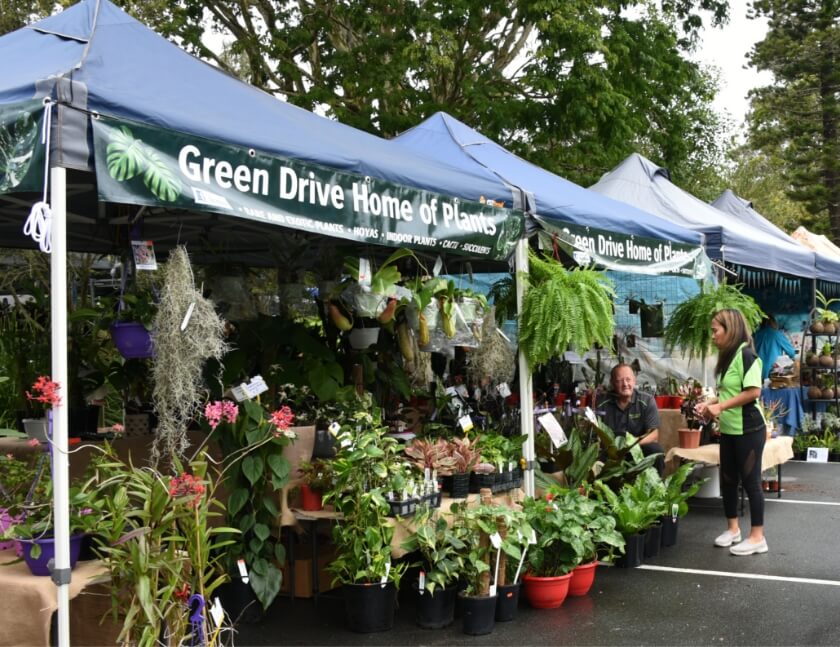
column 824, row 319
column 676, row 497
column 130, row 330
column 564, row 309
column 317, row 478
column 441, row 548
column 365, row 462
column 465, row 454
column 689, row 436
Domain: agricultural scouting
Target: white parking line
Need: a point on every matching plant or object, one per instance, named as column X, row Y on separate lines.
column 747, row 576
column 801, row 501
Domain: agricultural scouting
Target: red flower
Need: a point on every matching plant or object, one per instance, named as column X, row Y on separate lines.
column 549, row 496
column 282, row 418
column 187, row 485
column 46, row 391
column 183, row 594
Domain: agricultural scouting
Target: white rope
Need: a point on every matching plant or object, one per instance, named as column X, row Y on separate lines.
column 39, row 223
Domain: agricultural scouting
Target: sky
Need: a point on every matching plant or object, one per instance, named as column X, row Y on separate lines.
column 726, row 49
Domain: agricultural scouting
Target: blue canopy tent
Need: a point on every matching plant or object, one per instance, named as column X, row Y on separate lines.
column 593, row 225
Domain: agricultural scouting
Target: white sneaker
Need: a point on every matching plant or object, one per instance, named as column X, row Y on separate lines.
column 747, row 547
column 728, row 538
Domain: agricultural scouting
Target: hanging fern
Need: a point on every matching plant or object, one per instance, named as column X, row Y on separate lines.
column 564, row 310
column 689, row 327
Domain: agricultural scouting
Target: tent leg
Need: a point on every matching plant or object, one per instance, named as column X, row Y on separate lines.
column 58, row 311
column 526, row 383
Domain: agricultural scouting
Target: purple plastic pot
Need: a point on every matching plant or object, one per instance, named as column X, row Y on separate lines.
column 132, row 339
column 40, row 565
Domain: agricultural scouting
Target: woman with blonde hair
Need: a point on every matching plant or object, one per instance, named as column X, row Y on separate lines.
column 742, row 428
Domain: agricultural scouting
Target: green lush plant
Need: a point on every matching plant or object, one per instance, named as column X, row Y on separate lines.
column 502, row 295
column 560, row 533
column 677, row 493
column 366, row 461
column 475, row 525
column 823, row 310
column 564, row 309
column 637, row 505
column 689, row 326
column 251, row 442
column 441, row 547
column 160, row 543
column 317, row 474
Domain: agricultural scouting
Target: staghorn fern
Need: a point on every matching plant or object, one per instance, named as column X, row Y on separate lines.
column 688, row 328
column 564, row 309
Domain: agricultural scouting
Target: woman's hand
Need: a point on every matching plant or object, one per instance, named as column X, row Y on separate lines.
column 708, row 410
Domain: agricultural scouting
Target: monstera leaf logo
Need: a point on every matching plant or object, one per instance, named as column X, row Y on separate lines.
column 18, row 138
column 128, row 157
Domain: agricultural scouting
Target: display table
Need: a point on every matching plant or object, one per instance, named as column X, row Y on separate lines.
column 790, row 400
column 776, row 452
column 29, row 600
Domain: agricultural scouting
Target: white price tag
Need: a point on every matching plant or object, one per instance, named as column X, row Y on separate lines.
column 239, row 393
column 533, row 538
column 466, row 423
column 421, row 585
column 384, row 579
column 553, row 428
column 243, row 570
column 217, row 612
column 462, row 391
column 438, row 266
column 187, row 317
column 427, row 473
column 364, row 272
column 492, row 590
column 496, row 540
column 334, row 428
column 590, row 415
column 255, row 386
column 503, row 390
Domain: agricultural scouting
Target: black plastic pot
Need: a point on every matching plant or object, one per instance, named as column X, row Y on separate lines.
column 634, row 551
column 478, row 614
column 653, row 537
column 435, row 610
column 369, row 607
column 460, row 486
column 239, row 601
column 479, row 481
column 669, row 531
column 507, row 602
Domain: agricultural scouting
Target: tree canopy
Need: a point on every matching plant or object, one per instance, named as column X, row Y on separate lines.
column 796, row 118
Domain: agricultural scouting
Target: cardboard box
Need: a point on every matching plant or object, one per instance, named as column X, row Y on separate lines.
column 303, row 571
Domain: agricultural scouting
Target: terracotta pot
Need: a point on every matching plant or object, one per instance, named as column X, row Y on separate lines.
column 689, row 438
column 546, row 592
column 582, row 579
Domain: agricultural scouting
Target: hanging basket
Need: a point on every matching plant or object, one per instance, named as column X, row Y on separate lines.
column 132, row 339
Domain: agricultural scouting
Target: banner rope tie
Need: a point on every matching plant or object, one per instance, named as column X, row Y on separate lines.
column 38, row 225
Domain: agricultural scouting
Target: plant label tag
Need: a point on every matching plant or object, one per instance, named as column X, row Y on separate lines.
column 256, row 386
column 462, row 391
column 364, row 272
column 334, row 428
column 466, row 423
column 239, row 393
column 553, row 428
column 590, row 415
column 817, row 455
column 187, row 317
column 421, row 583
column 503, row 390
column 427, row 473
column 217, row 612
column 533, row 538
column 511, row 466
column 675, row 511
column 496, row 540
column 144, row 254
column 346, row 442
column 492, row 590
column 438, row 266
column 243, row 570
column 384, row 579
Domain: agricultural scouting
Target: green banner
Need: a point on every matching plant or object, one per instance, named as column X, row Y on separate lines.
column 626, row 253
column 21, row 151
column 138, row 164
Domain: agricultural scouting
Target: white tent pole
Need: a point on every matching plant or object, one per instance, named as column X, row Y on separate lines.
column 526, row 383
column 58, row 311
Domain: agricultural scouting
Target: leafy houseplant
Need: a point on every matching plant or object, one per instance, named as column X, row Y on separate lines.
column 317, row 478
column 825, row 318
column 564, row 309
column 252, row 441
column 688, row 328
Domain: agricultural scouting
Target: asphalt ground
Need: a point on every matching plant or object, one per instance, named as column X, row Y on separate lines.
column 693, row 593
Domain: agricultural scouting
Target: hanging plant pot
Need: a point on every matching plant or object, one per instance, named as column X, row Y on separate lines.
column 582, row 579
column 40, row 565
column 546, row 592
column 478, row 614
column 132, row 339
column 361, row 338
column 507, row 602
column 435, row 610
column 369, row 607
column 689, row 438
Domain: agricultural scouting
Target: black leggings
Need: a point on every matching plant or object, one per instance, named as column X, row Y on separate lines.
column 740, row 460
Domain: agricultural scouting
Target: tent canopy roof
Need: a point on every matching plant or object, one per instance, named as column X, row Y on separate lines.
column 550, row 196
column 642, row 183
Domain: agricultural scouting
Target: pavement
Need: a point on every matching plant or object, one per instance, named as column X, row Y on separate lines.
column 691, row 594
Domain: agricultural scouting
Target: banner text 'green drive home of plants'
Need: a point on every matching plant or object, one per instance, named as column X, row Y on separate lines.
column 137, row 164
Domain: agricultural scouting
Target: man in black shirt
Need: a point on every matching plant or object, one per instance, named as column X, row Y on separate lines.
column 628, row 411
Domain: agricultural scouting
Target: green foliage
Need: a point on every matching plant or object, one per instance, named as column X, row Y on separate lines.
column 441, row 547
column 688, row 328
column 564, row 310
column 637, row 505
column 676, row 492
column 502, row 295
column 797, row 116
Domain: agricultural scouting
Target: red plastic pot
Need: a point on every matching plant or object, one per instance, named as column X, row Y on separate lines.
column 546, row 592
column 582, row 579
column 675, row 402
column 663, row 401
column 312, row 501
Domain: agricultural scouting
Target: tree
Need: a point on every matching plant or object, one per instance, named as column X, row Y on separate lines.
column 797, row 117
column 572, row 85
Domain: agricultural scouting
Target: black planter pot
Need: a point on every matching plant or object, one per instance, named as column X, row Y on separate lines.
column 460, row 486
column 369, row 607
column 633, row 552
column 436, row 610
column 479, row 481
column 653, row 537
column 669, row 531
column 507, row 602
column 240, row 603
column 479, row 614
